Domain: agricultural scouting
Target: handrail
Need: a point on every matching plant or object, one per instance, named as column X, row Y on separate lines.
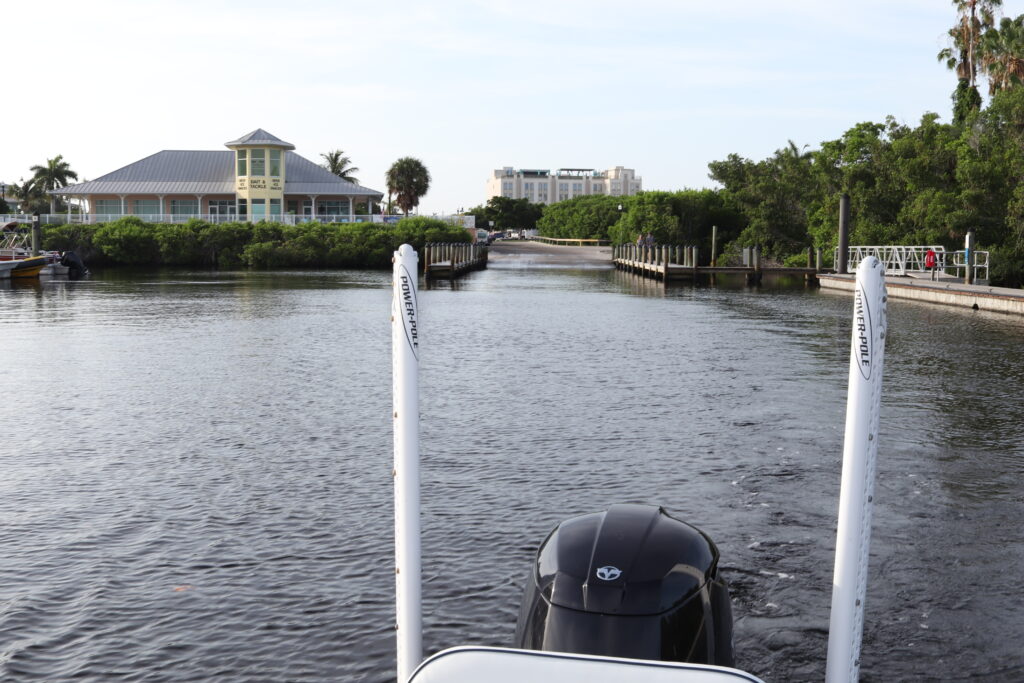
column 901, row 260
column 568, row 240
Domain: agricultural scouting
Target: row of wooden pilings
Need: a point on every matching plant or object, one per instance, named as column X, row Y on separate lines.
column 452, row 259
column 657, row 254
column 665, row 262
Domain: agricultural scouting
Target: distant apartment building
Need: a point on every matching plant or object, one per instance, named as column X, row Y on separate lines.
column 541, row 186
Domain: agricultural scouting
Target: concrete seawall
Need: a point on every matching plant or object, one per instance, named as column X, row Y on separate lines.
column 977, row 297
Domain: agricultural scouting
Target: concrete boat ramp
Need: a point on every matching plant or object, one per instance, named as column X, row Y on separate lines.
column 530, row 254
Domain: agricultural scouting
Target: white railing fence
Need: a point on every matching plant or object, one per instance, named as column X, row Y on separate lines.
column 904, row 260
column 288, row 219
column 467, row 221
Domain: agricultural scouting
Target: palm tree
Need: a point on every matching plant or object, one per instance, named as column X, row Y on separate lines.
column 964, row 53
column 28, row 195
column 407, row 179
column 337, row 163
column 52, row 176
column 1003, row 54
column 975, row 16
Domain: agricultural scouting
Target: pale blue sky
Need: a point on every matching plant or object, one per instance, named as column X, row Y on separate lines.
column 467, row 86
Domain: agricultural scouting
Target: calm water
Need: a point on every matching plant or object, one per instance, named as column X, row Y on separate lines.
column 195, row 468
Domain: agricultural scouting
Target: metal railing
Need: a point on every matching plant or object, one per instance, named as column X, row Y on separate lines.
column 288, row 219
column 45, row 219
column 571, row 241
column 903, row 260
column 979, row 268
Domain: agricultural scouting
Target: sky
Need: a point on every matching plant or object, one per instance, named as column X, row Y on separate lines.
column 466, row 86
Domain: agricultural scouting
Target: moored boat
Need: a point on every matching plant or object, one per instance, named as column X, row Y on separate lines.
column 29, row 267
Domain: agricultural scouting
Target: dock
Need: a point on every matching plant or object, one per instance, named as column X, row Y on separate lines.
column 946, row 291
column 451, row 260
column 673, row 262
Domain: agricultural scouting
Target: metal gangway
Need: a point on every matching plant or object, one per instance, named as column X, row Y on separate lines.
column 909, row 260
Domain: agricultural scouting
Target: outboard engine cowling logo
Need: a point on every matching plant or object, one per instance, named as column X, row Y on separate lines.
column 608, row 573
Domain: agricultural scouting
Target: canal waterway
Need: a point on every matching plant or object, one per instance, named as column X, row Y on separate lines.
column 195, row 468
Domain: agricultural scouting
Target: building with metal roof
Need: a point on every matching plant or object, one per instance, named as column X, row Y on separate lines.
column 258, row 177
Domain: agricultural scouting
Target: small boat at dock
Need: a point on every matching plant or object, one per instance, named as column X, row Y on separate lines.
column 17, row 259
column 30, row 266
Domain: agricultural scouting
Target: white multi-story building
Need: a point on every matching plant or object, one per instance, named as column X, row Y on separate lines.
column 541, row 186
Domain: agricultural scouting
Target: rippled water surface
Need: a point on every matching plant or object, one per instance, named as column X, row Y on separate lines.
column 195, row 468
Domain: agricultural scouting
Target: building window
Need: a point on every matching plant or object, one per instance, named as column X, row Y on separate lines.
column 293, row 207
column 563, row 191
column 275, row 163
column 598, row 188
column 275, row 207
column 334, row 207
column 143, row 207
column 258, row 162
column 222, row 207
column 108, row 206
column 577, row 189
column 185, row 207
column 259, row 209
column 242, row 209
column 241, row 162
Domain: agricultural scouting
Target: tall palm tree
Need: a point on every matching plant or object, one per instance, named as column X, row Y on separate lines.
column 53, row 175
column 340, row 165
column 963, row 55
column 1003, row 54
column 408, row 179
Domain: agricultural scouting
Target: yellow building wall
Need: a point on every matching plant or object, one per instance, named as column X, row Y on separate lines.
column 265, row 187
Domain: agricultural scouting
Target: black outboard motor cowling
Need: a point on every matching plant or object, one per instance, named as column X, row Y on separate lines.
column 630, row 582
column 75, row 265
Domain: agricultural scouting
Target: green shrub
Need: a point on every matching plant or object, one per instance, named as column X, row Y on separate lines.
column 1006, row 267
column 128, row 241
column 221, row 244
column 179, row 244
column 77, row 237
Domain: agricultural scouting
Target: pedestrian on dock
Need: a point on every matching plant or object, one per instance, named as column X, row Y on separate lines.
column 649, row 240
column 930, row 262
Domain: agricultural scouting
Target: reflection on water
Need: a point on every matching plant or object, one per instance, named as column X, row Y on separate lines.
column 197, row 466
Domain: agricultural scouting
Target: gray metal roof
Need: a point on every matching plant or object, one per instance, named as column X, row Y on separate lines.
column 260, row 137
column 206, row 172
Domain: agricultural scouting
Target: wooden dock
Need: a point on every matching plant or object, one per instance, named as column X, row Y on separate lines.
column 672, row 262
column 450, row 260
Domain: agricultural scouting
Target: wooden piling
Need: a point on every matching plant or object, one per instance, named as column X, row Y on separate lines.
column 844, row 233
